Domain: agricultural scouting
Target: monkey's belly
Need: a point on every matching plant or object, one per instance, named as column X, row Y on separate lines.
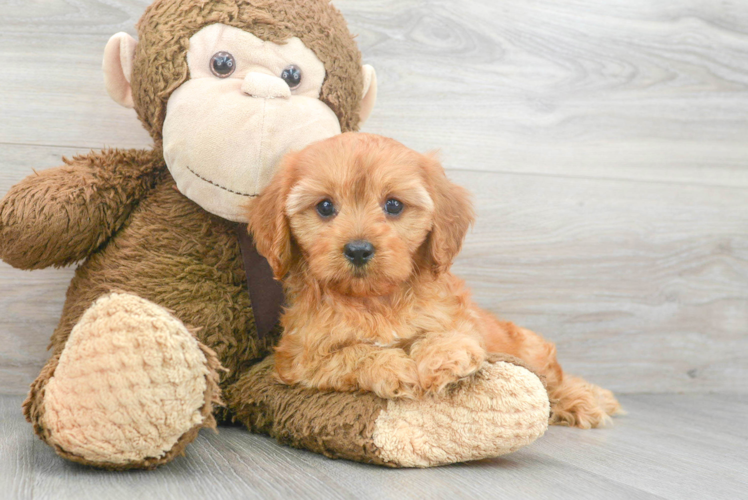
column 180, row 257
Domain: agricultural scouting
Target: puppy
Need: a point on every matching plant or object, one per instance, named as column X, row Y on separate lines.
column 363, row 231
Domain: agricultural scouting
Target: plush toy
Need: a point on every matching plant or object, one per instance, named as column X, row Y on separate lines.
column 171, row 311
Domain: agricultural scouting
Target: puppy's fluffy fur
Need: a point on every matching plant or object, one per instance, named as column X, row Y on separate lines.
column 400, row 325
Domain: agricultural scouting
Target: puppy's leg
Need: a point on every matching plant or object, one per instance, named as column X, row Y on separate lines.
column 446, row 357
column 574, row 401
column 389, row 373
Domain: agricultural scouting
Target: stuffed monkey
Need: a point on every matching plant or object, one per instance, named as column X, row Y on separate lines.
column 171, row 311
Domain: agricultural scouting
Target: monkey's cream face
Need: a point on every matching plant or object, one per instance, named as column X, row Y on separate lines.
column 246, row 104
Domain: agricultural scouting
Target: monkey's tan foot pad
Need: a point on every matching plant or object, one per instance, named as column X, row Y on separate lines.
column 498, row 410
column 132, row 387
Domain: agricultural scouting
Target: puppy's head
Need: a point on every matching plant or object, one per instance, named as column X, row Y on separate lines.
column 362, row 212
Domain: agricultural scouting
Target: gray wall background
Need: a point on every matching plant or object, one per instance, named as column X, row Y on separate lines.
column 606, row 143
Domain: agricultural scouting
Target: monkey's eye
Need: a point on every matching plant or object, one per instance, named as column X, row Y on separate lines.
column 292, row 76
column 222, row 64
column 325, row 208
column 393, row 206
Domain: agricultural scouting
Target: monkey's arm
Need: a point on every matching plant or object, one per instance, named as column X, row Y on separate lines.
column 61, row 215
column 497, row 410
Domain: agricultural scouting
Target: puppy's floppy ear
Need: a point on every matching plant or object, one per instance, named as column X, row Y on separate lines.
column 267, row 221
column 453, row 215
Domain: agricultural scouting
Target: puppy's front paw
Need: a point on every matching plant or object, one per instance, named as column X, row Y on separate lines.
column 392, row 375
column 445, row 360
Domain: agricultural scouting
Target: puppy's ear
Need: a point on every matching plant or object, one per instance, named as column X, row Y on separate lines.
column 267, row 221
column 453, row 215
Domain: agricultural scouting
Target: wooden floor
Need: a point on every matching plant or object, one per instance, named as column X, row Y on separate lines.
column 668, row 446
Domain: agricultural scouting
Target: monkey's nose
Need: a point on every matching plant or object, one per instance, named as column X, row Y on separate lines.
column 265, row 86
column 358, row 252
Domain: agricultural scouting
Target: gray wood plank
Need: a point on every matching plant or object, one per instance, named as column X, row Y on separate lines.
column 665, row 447
column 640, row 457
column 643, row 286
column 723, row 415
column 19, row 161
column 53, row 94
column 636, row 90
column 30, row 307
column 619, row 89
column 505, row 477
column 59, row 17
column 16, row 451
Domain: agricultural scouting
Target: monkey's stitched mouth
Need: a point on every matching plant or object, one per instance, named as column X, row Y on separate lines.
column 218, row 185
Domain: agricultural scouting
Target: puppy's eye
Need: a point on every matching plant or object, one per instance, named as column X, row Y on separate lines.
column 393, row 207
column 222, row 64
column 292, row 76
column 325, row 208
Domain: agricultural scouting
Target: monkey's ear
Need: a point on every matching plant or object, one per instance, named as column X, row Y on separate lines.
column 370, row 92
column 118, row 56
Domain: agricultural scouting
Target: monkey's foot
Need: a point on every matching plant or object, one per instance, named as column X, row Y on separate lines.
column 497, row 410
column 131, row 388
column 500, row 409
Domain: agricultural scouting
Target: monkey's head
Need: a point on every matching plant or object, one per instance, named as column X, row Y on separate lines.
column 227, row 87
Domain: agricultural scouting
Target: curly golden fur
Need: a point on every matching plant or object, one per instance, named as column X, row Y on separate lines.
column 400, row 324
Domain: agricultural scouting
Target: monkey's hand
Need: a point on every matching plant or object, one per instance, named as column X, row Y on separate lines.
column 61, row 215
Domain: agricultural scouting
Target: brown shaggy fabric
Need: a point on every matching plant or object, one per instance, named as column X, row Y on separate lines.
column 336, row 424
column 178, row 256
column 61, row 215
column 144, row 238
column 160, row 64
column 345, row 424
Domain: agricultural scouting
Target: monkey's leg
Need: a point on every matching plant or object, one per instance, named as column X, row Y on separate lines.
column 131, row 388
column 495, row 411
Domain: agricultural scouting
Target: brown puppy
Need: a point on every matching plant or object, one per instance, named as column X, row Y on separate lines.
column 363, row 231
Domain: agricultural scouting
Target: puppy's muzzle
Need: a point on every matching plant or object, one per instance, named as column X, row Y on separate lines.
column 358, row 252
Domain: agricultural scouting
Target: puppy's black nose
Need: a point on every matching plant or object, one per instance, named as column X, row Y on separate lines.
column 359, row 252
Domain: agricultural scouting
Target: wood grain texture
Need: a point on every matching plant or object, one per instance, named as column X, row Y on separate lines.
column 651, row 90
column 59, row 17
column 621, row 89
column 669, row 446
column 605, row 144
column 53, row 94
column 643, row 286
